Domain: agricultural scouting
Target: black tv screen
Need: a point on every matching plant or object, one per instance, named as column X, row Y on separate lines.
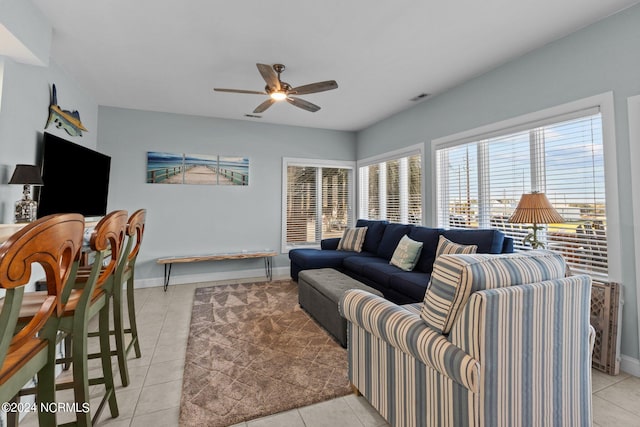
column 76, row 179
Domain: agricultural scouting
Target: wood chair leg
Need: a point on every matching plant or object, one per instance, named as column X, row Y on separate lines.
column 80, row 371
column 13, row 416
column 46, row 387
column 118, row 328
column 105, row 350
column 67, row 352
column 132, row 317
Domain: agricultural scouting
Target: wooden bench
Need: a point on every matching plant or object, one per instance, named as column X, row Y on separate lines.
column 169, row 261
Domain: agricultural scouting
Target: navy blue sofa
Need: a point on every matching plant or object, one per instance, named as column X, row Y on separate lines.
column 371, row 266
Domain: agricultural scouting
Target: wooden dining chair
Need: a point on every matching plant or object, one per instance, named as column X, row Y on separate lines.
column 28, row 349
column 125, row 276
column 89, row 297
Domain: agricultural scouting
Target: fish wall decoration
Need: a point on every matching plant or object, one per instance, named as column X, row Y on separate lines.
column 65, row 119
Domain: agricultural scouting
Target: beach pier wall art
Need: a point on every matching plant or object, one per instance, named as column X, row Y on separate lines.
column 204, row 169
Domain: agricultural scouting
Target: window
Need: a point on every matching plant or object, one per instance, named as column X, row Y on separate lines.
column 317, row 201
column 479, row 184
column 391, row 187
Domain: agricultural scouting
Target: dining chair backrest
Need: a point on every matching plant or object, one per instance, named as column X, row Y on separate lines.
column 108, row 235
column 135, row 228
column 55, row 243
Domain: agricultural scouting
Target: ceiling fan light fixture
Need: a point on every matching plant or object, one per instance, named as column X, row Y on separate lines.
column 278, row 96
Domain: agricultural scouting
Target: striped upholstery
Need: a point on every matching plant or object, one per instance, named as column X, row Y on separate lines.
column 516, row 356
column 352, row 239
column 447, row 247
column 534, row 346
column 455, row 277
column 407, row 332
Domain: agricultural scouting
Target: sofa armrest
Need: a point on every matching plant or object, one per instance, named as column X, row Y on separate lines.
column 330, row 244
column 507, row 245
column 409, row 333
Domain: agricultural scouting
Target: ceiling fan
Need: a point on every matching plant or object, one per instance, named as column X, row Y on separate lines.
column 277, row 90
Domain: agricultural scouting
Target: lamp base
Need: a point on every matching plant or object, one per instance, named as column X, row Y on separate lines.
column 26, row 211
column 532, row 238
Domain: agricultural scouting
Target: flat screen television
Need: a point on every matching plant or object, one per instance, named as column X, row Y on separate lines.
column 76, row 179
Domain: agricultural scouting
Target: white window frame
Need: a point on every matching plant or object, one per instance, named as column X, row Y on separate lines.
column 318, row 163
column 605, row 102
column 633, row 111
column 409, row 151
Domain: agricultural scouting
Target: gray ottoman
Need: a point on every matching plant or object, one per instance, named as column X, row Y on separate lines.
column 319, row 292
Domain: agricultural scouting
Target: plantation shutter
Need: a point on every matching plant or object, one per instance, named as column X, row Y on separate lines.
column 318, row 203
column 480, row 183
column 302, row 214
column 392, row 190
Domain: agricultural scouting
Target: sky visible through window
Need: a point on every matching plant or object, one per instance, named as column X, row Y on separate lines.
column 572, row 168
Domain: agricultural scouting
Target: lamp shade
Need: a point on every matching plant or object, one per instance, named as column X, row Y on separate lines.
column 26, row 174
column 535, row 208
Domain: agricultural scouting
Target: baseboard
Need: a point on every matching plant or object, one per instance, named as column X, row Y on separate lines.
column 278, row 273
column 630, row 365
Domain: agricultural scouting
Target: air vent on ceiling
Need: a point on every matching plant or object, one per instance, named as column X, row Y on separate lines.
column 420, row 97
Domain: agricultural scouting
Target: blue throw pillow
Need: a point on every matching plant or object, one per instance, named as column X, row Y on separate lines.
column 406, row 254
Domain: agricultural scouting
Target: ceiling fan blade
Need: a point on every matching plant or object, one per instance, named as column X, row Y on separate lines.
column 301, row 103
column 252, row 92
column 266, row 104
column 314, row 87
column 269, row 75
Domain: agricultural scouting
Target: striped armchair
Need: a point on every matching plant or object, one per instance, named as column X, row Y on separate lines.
column 500, row 340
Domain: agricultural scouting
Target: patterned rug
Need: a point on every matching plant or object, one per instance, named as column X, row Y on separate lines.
column 252, row 351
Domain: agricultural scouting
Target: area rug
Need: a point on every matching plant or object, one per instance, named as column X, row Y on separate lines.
column 252, row 351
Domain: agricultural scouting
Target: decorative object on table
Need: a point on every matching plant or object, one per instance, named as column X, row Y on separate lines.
column 252, row 351
column 185, row 168
column 26, row 208
column 277, row 90
column 535, row 209
column 64, row 119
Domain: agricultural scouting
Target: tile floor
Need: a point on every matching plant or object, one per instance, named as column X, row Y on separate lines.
column 153, row 398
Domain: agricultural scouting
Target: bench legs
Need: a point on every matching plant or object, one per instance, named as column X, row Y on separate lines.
column 167, row 276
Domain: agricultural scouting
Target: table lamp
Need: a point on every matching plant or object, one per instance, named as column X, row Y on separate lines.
column 26, row 207
column 535, row 209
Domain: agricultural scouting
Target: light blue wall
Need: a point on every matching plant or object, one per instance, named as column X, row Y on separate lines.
column 24, row 108
column 193, row 219
column 601, row 58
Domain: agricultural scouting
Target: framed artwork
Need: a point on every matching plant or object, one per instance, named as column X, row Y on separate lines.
column 200, row 169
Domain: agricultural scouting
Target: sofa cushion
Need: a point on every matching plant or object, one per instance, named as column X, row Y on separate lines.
column 380, row 273
column 410, row 283
column 308, row 259
column 429, row 238
column 390, row 239
column 488, row 241
column 406, row 254
column 357, row 264
column 447, row 247
column 352, row 239
column 455, row 277
column 375, row 229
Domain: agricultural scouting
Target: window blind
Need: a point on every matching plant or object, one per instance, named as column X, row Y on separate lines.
column 392, row 190
column 480, row 184
column 318, row 203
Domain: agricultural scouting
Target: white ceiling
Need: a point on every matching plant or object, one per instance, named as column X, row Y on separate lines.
column 167, row 56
